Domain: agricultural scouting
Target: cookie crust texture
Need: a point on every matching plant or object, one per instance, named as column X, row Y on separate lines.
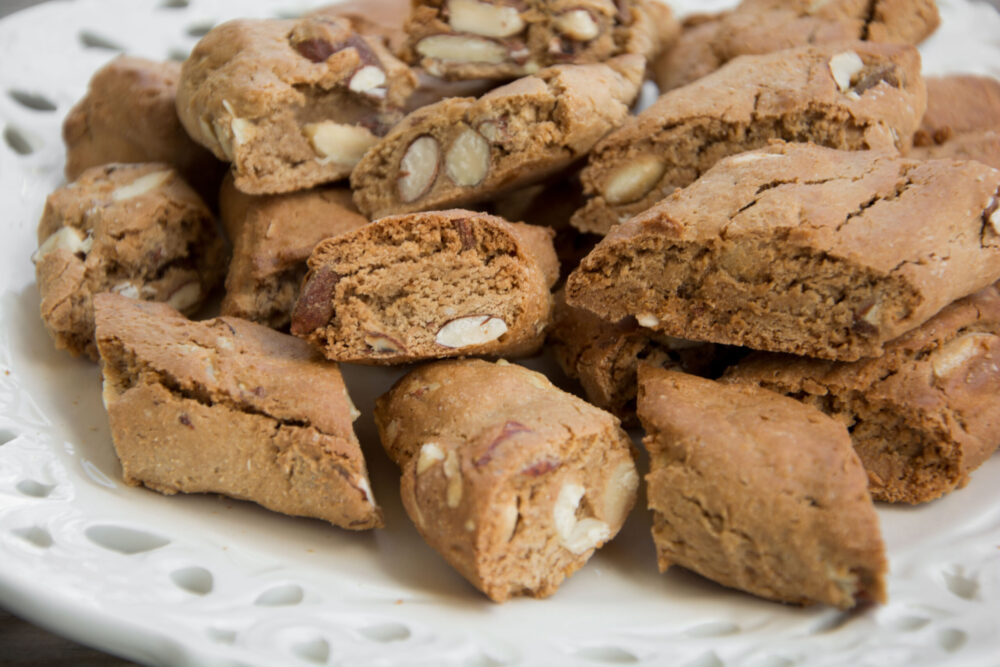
column 135, row 229
column 461, row 151
column 428, row 286
column 801, row 249
column 272, row 237
column 291, row 103
column 756, row 27
column 129, row 115
column 517, row 489
column 758, row 492
column 962, row 121
column 218, row 407
column 854, row 96
column 491, row 39
column 922, row 416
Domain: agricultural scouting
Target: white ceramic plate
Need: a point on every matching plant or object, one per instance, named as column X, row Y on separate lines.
column 207, row 581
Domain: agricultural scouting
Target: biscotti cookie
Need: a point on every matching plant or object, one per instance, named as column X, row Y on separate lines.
column 758, row 492
column 291, row 104
column 129, row 114
column 924, row 415
column 273, row 236
column 962, row 120
column 801, row 249
column 462, row 150
column 691, row 57
column 138, row 230
column 766, row 26
column 497, row 39
column 427, row 286
column 605, row 356
column 227, row 406
column 514, row 482
column 854, row 96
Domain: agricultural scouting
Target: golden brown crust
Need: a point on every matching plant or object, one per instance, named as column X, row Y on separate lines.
column 758, row 492
column 924, row 415
column 515, row 489
column 218, row 407
column 801, row 249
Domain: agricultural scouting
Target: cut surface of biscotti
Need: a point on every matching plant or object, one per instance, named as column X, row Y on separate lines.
column 496, row 39
column 767, row 26
column 463, row 150
column 135, row 229
column 854, row 96
column 962, row 121
column 517, row 487
column 290, row 103
column 605, row 356
column 272, row 237
column 758, row 492
column 801, row 249
column 429, row 285
column 231, row 407
column 922, row 416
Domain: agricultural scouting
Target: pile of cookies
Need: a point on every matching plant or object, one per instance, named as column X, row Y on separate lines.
column 784, row 269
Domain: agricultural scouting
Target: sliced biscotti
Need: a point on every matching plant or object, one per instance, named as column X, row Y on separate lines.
column 758, row 492
column 962, row 121
column 605, row 356
column 801, row 249
column 496, row 39
column 765, row 26
column 273, row 236
column 129, row 114
column 855, row 96
column 463, row 150
column 135, row 229
column 426, row 286
column 291, row 103
column 227, row 406
column 513, row 481
column 922, row 416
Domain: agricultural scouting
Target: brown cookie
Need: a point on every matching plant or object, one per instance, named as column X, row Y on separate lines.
column 427, row 286
column 962, row 121
column 135, row 229
column 498, row 39
column 801, row 249
column 605, row 356
column 219, row 407
column 922, row 416
column 517, row 488
column 129, row 114
column 758, row 492
column 272, row 237
column 854, row 96
column 767, row 26
column 291, row 104
column 461, row 151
